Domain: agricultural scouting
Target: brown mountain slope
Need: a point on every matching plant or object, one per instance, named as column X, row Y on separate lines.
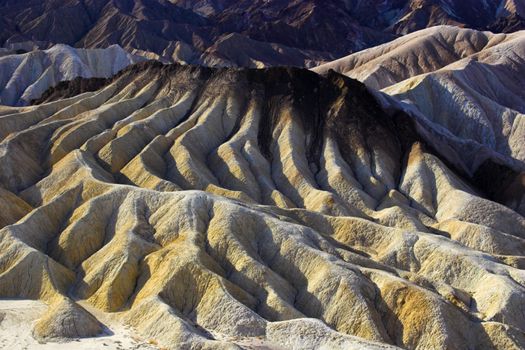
column 241, row 33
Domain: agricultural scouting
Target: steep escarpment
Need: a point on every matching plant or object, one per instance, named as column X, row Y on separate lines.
column 207, row 208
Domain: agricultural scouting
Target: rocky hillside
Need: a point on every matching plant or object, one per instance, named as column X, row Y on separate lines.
column 25, row 76
column 471, row 83
column 222, row 208
column 242, row 33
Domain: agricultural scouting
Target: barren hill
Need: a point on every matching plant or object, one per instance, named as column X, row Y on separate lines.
column 250, row 33
column 471, row 83
column 216, row 208
column 25, row 76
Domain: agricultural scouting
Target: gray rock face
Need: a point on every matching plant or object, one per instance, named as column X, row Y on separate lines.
column 24, row 77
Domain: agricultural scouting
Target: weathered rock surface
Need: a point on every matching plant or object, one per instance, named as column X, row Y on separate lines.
column 24, row 77
column 208, row 208
column 66, row 320
column 470, row 83
column 242, row 32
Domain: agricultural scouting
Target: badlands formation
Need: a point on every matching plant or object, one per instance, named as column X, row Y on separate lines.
column 247, row 33
column 272, row 209
column 24, row 77
column 471, row 83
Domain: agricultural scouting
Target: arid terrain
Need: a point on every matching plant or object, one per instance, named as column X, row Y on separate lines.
column 262, row 175
column 245, row 33
column 207, row 207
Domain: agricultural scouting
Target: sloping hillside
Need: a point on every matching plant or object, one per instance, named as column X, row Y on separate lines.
column 212, row 208
column 250, row 33
column 470, row 83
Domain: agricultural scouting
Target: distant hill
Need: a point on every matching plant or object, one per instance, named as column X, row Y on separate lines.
column 468, row 82
column 250, row 33
column 24, row 77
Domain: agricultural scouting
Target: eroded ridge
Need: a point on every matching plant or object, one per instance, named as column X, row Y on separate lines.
column 210, row 207
column 466, row 81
